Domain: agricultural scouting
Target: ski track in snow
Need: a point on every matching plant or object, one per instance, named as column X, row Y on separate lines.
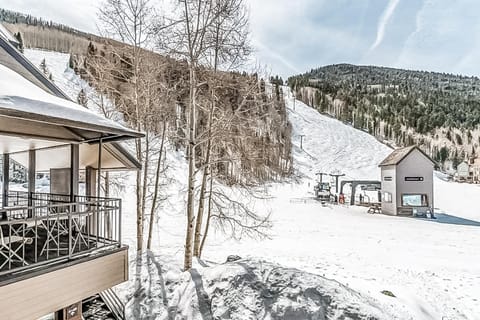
column 433, row 268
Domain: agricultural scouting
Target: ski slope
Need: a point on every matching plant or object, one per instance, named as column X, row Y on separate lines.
column 330, row 146
column 431, row 266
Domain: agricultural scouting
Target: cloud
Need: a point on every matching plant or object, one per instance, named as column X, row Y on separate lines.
column 275, row 55
column 295, row 36
column 382, row 23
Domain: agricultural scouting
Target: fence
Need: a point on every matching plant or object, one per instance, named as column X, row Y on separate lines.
column 42, row 228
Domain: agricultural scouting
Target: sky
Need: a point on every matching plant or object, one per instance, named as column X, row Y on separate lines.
column 294, row 36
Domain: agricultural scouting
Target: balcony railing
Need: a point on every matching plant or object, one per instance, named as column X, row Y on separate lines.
column 43, row 228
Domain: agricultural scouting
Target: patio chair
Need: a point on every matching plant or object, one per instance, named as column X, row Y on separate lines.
column 8, row 252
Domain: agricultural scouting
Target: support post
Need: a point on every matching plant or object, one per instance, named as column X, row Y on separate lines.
column 31, row 178
column 337, row 176
column 99, row 167
column 6, row 178
column 99, row 184
column 74, row 170
column 321, row 174
column 352, row 197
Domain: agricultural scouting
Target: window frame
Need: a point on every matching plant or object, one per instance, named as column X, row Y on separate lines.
column 423, row 196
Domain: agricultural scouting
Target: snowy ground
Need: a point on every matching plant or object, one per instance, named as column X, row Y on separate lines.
column 431, row 266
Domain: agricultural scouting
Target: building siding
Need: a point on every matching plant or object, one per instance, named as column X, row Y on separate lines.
column 390, row 187
column 415, row 165
column 35, row 297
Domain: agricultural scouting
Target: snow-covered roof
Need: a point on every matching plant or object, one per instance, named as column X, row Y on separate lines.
column 398, row 155
column 22, row 99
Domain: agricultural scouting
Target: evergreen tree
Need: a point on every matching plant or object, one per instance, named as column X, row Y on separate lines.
column 82, row 98
column 71, row 62
column 19, row 38
column 443, row 154
column 43, row 67
column 458, row 139
column 456, row 160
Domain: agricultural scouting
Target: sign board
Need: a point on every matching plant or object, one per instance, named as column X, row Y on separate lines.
column 413, row 178
column 73, row 312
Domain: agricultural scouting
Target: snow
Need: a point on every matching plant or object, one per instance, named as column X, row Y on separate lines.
column 431, row 266
column 6, row 34
column 18, row 93
column 244, row 289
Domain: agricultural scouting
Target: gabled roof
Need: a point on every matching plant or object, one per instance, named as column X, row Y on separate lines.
column 398, row 155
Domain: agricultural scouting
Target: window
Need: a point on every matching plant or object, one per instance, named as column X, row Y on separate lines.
column 387, row 197
column 414, row 200
column 387, row 179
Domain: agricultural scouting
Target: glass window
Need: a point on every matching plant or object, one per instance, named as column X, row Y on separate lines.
column 414, row 200
column 387, row 197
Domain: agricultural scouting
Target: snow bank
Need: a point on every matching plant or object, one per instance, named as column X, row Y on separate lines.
column 241, row 290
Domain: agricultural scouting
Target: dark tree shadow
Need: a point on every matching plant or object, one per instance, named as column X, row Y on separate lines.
column 139, row 293
column 151, row 258
column 204, row 303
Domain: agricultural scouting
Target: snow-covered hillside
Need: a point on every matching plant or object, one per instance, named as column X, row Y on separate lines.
column 330, row 146
column 432, row 267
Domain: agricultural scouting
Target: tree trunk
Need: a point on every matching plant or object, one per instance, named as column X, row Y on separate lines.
column 146, row 162
column 139, row 199
column 201, row 203
column 155, row 192
column 209, row 216
column 191, row 171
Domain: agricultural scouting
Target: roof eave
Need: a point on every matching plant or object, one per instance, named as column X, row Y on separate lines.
column 383, row 164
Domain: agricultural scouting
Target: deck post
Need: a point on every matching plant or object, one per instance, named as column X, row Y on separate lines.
column 6, row 178
column 99, row 167
column 31, row 178
column 74, row 170
column 99, row 188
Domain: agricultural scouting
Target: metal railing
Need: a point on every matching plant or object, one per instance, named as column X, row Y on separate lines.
column 43, row 228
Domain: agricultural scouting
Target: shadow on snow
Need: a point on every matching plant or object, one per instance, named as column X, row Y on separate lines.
column 450, row 219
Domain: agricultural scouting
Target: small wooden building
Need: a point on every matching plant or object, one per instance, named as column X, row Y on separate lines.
column 407, row 182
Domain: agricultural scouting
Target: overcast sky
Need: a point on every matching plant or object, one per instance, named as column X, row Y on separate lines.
column 293, row 36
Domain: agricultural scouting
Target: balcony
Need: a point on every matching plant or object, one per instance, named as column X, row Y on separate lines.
column 44, row 229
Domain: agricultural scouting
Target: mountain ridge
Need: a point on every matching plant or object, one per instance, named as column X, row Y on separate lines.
column 438, row 111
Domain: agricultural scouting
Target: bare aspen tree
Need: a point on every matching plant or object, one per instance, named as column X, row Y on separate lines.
column 229, row 211
column 185, row 37
column 223, row 111
column 156, row 186
column 228, row 47
column 131, row 21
